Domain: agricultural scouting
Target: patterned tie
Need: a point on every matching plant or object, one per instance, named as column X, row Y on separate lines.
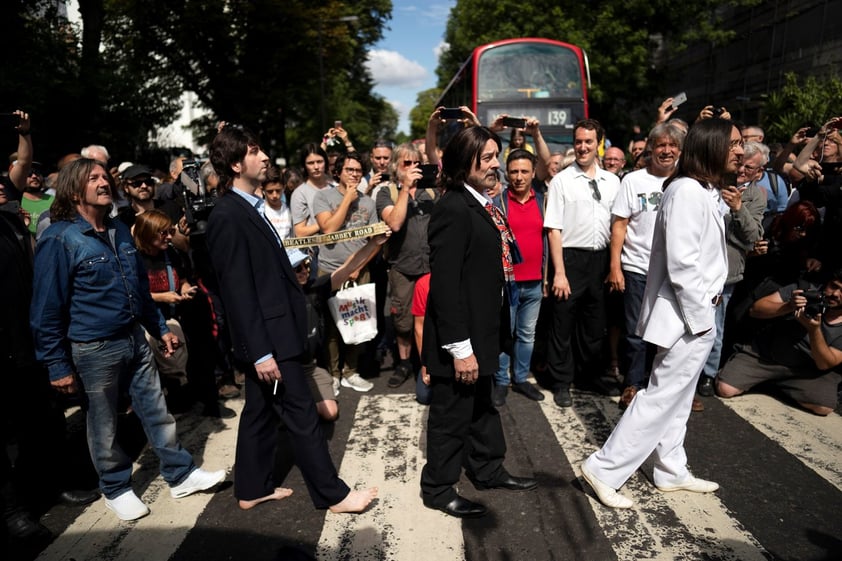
column 507, row 239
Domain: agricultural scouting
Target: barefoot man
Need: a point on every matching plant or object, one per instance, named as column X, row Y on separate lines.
column 267, row 316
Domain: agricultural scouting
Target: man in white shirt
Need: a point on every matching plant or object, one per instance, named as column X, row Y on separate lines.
column 633, row 214
column 578, row 220
column 276, row 209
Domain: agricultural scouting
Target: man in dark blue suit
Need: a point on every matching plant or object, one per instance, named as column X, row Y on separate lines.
column 267, row 318
column 462, row 329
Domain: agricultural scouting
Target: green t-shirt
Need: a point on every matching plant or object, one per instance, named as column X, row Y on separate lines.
column 36, row 208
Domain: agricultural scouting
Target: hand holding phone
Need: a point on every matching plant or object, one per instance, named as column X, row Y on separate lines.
column 678, row 99
column 429, row 173
column 513, row 122
column 450, row 113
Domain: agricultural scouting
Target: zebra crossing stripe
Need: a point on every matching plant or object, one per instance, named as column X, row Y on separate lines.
column 815, row 441
column 386, row 449
column 661, row 525
column 98, row 535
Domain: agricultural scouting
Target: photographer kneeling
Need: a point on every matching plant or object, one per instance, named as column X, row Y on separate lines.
column 800, row 358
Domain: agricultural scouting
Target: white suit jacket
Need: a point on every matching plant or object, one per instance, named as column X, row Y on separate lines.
column 688, row 264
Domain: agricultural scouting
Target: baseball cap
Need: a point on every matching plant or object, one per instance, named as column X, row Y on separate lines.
column 296, row 257
column 136, row 170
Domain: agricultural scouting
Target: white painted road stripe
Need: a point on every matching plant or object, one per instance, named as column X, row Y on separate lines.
column 98, row 535
column 815, row 441
column 386, row 449
column 664, row 526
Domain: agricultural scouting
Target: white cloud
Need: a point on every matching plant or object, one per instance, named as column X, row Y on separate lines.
column 390, row 68
column 440, row 49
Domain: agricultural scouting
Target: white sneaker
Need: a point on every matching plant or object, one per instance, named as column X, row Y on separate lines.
column 692, row 484
column 356, row 382
column 605, row 494
column 198, row 480
column 336, row 387
column 127, row 506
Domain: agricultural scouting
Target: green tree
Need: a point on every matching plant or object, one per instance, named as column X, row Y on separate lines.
column 425, row 103
column 257, row 62
column 815, row 100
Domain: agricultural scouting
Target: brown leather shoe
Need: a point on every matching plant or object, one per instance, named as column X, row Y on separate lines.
column 627, row 397
column 698, row 405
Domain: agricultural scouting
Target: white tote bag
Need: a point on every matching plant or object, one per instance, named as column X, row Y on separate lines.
column 354, row 311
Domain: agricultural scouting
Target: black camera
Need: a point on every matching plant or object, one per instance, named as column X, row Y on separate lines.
column 718, row 111
column 815, row 302
column 198, row 203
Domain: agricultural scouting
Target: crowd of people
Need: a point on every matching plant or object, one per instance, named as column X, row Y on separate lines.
column 698, row 261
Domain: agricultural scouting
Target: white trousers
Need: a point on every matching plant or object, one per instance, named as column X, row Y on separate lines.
column 656, row 420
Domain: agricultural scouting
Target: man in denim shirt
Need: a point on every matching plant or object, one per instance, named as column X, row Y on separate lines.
column 91, row 302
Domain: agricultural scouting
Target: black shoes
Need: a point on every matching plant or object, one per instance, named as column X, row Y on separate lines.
column 498, row 395
column 562, row 397
column 530, row 391
column 460, row 507
column 402, row 372
column 705, row 388
column 78, row 497
column 510, row 483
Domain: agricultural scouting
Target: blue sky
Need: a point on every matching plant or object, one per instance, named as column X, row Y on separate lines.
column 404, row 62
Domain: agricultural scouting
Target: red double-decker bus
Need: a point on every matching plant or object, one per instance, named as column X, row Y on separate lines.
column 530, row 77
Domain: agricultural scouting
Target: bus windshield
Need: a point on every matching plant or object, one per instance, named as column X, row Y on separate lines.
column 528, row 70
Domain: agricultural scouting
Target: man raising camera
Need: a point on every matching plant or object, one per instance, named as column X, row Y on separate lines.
column 798, row 352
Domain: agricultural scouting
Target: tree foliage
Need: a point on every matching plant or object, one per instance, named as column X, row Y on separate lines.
column 814, row 101
column 626, row 40
column 425, row 103
column 257, row 62
column 119, row 76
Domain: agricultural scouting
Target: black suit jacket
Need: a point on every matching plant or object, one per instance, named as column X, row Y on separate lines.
column 263, row 301
column 466, row 285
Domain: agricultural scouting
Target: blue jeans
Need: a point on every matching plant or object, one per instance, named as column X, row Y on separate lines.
column 524, row 305
column 712, row 364
column 108, row 369
column 635, row 362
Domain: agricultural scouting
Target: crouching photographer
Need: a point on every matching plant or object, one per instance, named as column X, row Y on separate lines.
column 798, row 352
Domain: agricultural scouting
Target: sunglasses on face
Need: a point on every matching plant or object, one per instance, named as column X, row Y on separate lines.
column 407, row 163
column 303, row 266
column 597, row 196
column 138, row 182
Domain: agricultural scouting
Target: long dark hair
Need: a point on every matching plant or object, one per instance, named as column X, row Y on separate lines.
column 306, row 150
column 70, row 188
column 705, row 152
column 461, row 155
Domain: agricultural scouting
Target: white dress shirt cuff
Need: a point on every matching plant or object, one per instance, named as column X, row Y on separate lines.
column 459, row 349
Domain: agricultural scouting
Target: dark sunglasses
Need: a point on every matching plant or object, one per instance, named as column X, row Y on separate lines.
column 138, row 182
column 596, row 194
column 301, row 267
column 408, row 163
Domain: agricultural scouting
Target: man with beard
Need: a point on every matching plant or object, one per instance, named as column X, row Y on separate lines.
column 687, row 271
column 799, row 358
column 267, row 316
column 139, row 186
column 633, row 223
column 462, row 330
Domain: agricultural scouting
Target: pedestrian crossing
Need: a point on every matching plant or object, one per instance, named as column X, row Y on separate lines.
column 384, row 446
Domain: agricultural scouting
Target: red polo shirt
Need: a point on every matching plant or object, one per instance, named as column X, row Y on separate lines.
column 528, row 226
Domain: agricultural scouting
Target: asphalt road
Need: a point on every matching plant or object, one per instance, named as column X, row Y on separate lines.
column 780, row 471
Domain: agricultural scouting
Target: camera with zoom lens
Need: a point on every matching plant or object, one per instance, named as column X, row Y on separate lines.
column 815, row 302
column 197, row 201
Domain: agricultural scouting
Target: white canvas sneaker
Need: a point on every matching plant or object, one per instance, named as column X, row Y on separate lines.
column 356, row 382
column 127, row 506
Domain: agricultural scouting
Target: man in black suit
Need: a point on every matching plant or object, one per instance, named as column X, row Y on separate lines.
column 462, row 329
column 267, row 318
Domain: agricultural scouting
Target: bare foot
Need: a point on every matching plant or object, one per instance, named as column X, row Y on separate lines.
column 355, row 501
column 280, row 493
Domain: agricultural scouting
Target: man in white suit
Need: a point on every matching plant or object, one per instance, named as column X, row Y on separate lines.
column 687, row 271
